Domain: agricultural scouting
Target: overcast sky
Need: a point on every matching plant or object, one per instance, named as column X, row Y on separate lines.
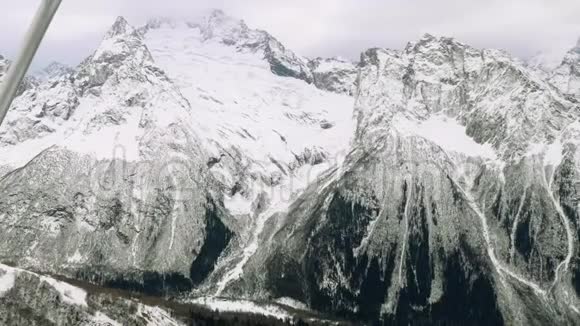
column 315, row 27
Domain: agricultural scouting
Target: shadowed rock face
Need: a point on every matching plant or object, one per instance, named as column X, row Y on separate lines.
column 141, row 222
column 567, row 180
column 405, row 248
column 409, row 246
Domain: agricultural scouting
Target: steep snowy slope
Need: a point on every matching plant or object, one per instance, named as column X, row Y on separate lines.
column 268, row 135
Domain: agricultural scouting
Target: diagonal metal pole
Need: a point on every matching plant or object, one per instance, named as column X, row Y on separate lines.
column 32, row 40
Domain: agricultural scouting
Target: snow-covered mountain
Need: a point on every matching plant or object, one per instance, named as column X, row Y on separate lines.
column 460, row 191
column 201, row 158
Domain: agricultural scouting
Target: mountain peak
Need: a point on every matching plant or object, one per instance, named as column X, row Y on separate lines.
column 120, row 27
column 121, row 48
column 218, row 24
column 212, row 24
column 430, row 38
column 157, row 22
column 54, row 69
column 427, row 37
column 219, row 17
column 217, row 13
column 429, row 42
column 120, row 40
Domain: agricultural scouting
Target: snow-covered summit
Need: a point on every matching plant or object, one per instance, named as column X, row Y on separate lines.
column 333, row 74
column 121, row 43
column 212, row 24
column 217, row 27
column 120, row 27
column 217, row 24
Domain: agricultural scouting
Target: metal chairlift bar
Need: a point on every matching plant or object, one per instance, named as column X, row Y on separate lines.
column 32, row 40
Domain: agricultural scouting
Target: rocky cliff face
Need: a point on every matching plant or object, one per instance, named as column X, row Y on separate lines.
column 201, row 157
column 334, row 74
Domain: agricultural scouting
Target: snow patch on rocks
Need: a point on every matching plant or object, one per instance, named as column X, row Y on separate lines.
column 102, row 319
column 156, row 316
column 292, row 303
column 244, row 306
column 447, row 133
column 68, row 293
column 7, row 279
column 552, row 153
